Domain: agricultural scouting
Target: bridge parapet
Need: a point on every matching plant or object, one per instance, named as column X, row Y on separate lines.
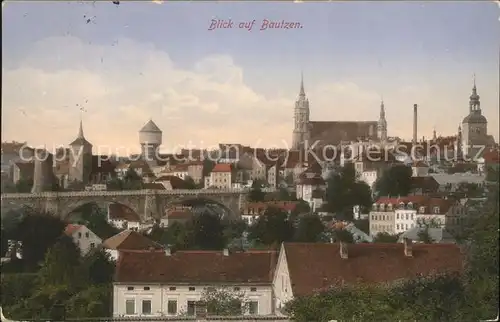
column 69, row 194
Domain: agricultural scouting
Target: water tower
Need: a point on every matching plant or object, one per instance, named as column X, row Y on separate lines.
column 150, row 138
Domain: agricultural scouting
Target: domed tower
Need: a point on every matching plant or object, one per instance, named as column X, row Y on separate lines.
column 150, row 138
column 80, row 158
column 474, row 125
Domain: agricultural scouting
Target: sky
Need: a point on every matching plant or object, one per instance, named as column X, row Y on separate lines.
column 125, row 64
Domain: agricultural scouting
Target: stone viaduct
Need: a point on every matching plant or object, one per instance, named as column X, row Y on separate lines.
column 146, row 203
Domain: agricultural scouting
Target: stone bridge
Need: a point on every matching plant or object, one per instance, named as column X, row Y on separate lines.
column 146, row 203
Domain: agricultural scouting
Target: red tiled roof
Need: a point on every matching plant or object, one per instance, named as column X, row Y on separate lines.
column 130, row 240
column 70, row 229
column 314, row 266
column 118, row 211
column 398, row 200
column 222, row 167
column 421, row 201
column 491, row 156
column 194, row 267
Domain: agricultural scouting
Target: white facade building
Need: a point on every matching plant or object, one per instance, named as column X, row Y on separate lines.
column 83, row 237
column 178, row 288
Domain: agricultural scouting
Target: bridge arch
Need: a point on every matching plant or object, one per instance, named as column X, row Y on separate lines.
column 199, row 201
column 68, row 209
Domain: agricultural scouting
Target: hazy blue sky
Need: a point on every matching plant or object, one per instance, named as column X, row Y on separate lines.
column 140, row 60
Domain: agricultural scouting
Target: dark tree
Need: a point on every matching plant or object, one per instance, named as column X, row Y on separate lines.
column 395, row 181
column 344, row 191
column 272, row 227
column 310, row 229
column 37, row 232
column 342, row 235
column 385, row 238
column 98, row 267
column 24, row 185
column 190, row 184
column 256, row 194
column 92, row 216
column 207, row 232
column 132, row 180
column 61, row 263
column 208, row 165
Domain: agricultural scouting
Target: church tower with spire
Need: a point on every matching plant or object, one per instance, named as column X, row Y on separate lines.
column 474, row 125
column 382, row 124
column 80, row 158
column 301, row 119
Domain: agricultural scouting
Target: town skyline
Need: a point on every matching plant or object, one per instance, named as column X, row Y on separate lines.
column 235, row 86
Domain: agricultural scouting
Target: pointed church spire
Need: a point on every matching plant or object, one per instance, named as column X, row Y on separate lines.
column 302, row 91
column 382, row 108
column 80, row 130
column 474, row 81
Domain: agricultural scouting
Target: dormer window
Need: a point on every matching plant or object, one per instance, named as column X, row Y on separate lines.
column 389, row 206
column 436, row 210
column 402, row 205
column 409, row 205
column 422, row 210
column 382, row 207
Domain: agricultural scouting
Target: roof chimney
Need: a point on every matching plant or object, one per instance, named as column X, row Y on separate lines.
column 343, row 250
column 168, row 252
column 408, row 247
column 225, row 252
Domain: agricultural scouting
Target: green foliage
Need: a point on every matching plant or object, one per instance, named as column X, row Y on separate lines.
column 37, row 232
column 223, row 302
column 272, row 227
column 385, row 238
column 395, row 181
column 97, row 267
column 190, row 184
column 342, row 235
column 207, row 232
column 208, row 166
column 95, row 219
column 92, row 302
column 344, row 191
column 17, row 287
column 256, row 194
column 60, row 263
column 310, row 229
column 423, row 299
column 24, row 185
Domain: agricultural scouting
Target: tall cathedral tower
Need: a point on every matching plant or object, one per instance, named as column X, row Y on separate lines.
column 474, row 125
column 80, row 158
column 382, row 124
column 301, row 119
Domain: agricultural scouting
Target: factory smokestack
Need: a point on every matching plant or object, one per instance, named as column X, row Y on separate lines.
column 415, row 123
column 42, row 174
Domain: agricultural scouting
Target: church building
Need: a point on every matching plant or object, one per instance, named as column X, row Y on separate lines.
column 307, row 132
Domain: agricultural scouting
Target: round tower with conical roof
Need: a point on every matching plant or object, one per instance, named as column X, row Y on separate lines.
column 150, row 138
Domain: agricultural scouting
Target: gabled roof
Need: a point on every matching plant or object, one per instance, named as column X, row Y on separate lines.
column 196, row 267
column 130, row 240
column 314, row 266
column 71, row 229
column 438, row 235
column 222, row 167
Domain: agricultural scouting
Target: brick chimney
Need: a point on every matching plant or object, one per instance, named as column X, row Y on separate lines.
column 408, row 247
column 343, row 250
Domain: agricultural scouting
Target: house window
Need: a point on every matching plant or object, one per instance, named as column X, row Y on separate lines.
column 130, row 307
column 253, row 307
column 87, row 235
column 172, row 307
column 397, row 226
column 236, row 289
column 172, row 288
column 146, row 307
column 253, row 289
column 146, row 288
column 191, row 307
column 406, row 216
column 397, row 216
column 130, row 288
column 192, row 288
column 436, row 210
column 79, row 235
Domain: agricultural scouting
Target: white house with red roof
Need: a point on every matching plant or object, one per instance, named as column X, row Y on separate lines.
column 221, row 177
column 83, row 237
